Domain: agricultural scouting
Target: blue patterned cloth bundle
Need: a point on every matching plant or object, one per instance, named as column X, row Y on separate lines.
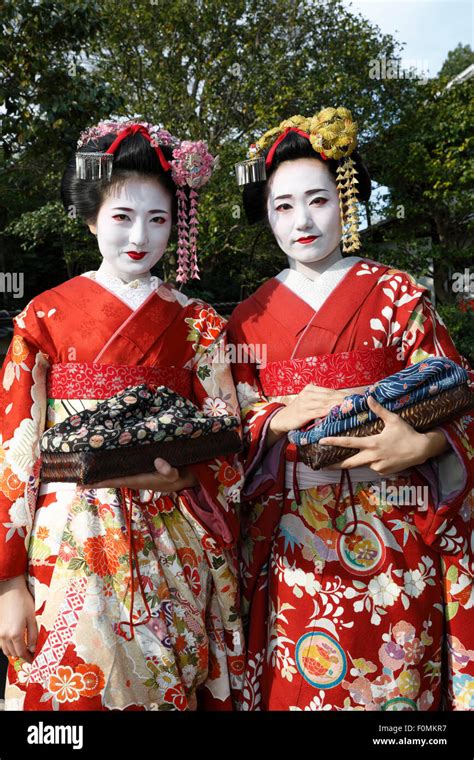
column 425, row 379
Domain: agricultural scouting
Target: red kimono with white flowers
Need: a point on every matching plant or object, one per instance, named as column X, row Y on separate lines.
column 176, row 642
column 351, row 607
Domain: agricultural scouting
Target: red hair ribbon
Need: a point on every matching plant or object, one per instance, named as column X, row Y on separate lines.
column 132, row 130
column 271, row 152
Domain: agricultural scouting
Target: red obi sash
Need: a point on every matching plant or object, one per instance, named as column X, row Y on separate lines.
column 342, row 370
column 100, row 381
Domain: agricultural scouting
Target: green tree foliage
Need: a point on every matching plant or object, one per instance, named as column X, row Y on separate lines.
column 427, row 161
column 223, row 71
column 456, row 61
column 48, row 93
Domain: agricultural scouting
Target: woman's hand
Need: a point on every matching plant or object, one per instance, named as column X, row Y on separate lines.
column 313, row 401
column 17, row 617
column 166, row 479
column 396, row 448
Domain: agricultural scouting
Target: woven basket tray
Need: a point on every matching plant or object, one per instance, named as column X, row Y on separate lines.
column 424, row 415
column 92, row 467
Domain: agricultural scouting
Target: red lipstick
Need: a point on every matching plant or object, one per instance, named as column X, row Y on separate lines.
column 306, row 240
column 136, row 256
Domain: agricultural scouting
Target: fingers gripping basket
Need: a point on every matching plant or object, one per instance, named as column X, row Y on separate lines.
column 123, row 435
column 425, row 395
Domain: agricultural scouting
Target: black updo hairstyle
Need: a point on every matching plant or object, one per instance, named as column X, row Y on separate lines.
column 295, row 146
column 133, row 157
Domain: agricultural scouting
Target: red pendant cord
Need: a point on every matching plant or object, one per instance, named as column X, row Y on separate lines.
column 351, row 494
column 132, row 555
column 297, row 492
column 296, row 488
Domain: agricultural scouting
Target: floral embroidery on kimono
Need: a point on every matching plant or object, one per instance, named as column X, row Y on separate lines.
column 180, row 643
column 351, row 607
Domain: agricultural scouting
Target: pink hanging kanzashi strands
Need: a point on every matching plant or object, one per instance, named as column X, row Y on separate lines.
column 192, row 165
column 183, row 238
column 193, row 233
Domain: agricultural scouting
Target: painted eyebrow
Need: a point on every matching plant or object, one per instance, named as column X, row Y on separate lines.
column 308, row 192
column 152, row 211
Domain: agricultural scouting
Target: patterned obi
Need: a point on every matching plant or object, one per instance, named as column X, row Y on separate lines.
column 341, row 370
column 75, row 386
column 78, row 380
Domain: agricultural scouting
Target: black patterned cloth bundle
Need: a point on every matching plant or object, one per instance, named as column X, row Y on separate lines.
column 124, row 434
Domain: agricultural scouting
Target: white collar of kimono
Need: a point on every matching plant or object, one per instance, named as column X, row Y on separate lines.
column 133, row 293
column 315, row 292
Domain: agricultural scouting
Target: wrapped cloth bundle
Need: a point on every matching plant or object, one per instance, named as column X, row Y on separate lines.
column 425, row 394
column 124, row 434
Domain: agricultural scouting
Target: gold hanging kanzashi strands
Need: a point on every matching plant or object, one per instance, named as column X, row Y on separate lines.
column 346, row 182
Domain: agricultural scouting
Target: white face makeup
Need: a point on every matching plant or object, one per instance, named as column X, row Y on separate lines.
column 133, row 227
column 303, row 211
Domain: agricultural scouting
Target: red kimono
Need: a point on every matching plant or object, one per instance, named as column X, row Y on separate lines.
column 362, row 606
column 156, row 634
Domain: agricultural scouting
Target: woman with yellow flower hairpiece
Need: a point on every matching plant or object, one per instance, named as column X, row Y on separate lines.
column 355, row 576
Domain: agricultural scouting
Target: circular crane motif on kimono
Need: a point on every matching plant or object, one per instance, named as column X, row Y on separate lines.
column 361, row 552
column 320, row 660
column 399, row 704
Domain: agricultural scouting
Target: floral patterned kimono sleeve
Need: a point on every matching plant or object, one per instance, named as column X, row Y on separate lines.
column 215, row 517
column 220, row 480
column 444, row 525
column 263, row 467
column 23, row 401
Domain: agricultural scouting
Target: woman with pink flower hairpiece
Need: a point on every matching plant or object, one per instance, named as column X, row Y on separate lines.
column 121, row 595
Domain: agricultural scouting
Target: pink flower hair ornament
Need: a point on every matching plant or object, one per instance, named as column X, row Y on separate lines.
column 191, row 165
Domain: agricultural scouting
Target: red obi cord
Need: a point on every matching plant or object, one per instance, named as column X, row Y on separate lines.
column 271, row 152
column 132, row 130
column 127, row 494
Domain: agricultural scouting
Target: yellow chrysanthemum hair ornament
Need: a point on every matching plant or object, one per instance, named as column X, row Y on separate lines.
column 333, row 134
